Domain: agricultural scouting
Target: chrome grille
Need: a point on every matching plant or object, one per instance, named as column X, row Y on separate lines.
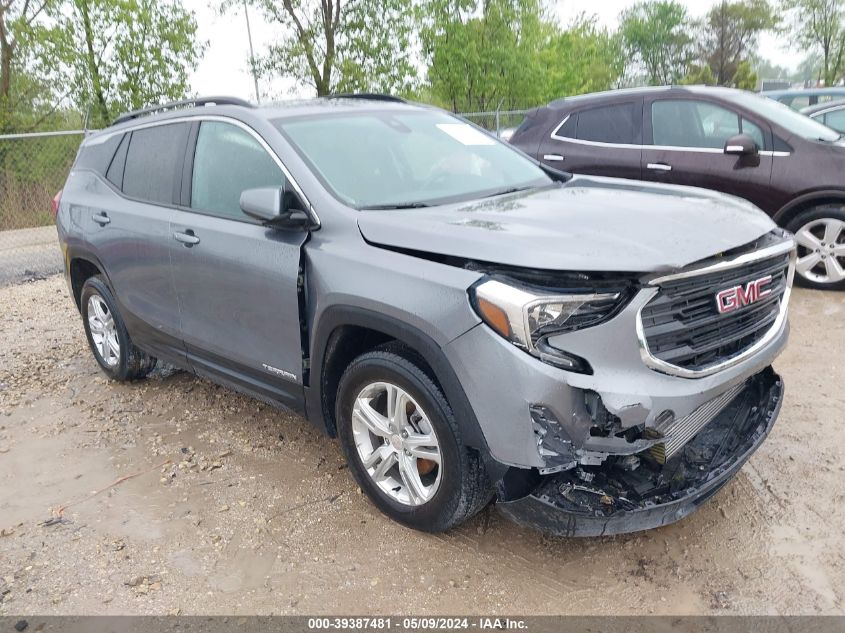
column 682, row 330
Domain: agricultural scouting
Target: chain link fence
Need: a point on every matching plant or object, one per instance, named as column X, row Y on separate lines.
column 33, row 168
column 502, row 123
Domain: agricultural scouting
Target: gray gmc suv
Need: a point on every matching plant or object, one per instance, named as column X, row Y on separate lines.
column 470, row 324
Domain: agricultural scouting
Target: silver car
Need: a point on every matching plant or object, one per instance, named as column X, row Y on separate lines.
column 595, row 354
column 831, row 114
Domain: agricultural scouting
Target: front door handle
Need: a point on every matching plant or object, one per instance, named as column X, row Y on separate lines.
column 553, row 157
column 101, row 218
column 187, row 238
column 659, row 167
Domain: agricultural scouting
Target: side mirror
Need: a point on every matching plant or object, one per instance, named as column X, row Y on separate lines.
column 275, row 206
column 741, row 145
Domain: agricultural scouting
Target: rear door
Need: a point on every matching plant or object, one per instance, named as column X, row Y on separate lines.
column 684, row 145
column 602, row 140
column 130, row 233
column 237, row 281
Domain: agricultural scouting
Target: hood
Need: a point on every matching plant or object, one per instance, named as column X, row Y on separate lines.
column 585, row 224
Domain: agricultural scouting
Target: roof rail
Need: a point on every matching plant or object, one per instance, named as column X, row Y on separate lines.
column 186, row 103
column 370, row 96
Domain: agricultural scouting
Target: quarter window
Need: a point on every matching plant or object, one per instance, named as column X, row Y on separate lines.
column 609, row 124
column 228, row 161
column 154, row 162
column 118, row 163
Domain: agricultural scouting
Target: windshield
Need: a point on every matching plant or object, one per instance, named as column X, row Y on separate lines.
column 786, row 117
column 407, row 158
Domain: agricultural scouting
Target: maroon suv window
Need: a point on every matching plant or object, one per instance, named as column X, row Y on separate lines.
column 607, row 124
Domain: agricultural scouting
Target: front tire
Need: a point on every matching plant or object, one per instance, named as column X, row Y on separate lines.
column 403, row 444
column 107, row 335
column 820, row 234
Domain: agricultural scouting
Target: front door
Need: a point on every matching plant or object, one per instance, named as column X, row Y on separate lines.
column 685, row 141
column 237, row 280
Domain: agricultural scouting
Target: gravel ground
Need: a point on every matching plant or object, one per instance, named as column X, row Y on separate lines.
column 231, row 507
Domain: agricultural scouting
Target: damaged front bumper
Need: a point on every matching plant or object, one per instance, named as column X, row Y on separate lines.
column 637, row 492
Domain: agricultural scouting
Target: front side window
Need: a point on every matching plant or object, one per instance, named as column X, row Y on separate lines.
column 401, row 158
column 229, row 160
column 698, row 124
column 777, row 113
column 609, row 124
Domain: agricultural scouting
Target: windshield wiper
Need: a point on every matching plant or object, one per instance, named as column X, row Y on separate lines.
column 504, row 192
column 396, row 205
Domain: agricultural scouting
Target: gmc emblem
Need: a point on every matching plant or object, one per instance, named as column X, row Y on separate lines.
column 738, row 297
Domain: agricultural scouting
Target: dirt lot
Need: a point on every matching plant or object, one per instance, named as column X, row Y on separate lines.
column 255, row 512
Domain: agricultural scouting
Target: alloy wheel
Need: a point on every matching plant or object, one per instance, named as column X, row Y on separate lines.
column 821, row 251
column 103, row 331
column 396, row 443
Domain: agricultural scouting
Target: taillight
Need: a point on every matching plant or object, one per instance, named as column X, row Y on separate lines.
column 55, row 204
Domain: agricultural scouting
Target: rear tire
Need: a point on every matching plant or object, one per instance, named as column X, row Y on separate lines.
column 820, row 234
column 452, row 490
column 107, row 335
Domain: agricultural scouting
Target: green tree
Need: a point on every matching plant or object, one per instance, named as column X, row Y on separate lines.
column 810, row 69
column 582, row 58
column 699, row 75
column 27, row 74
column 744, row 78
column 730, row 33
column 485, row 54
column 336, row 46
column 125, row 54
column 766, row 69
column 656, row 35
column 820, row 25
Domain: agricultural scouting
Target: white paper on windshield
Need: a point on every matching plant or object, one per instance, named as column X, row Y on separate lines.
column 466, row 134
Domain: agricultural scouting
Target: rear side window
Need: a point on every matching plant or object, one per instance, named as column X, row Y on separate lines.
column 228, row 161
column 836, row 120
column 608, row 124
column 153, row 168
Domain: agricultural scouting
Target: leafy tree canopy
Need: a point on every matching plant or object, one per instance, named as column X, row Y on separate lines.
column 656, row 35
column 339, row 45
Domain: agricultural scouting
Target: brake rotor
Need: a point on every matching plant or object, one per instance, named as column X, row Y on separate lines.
column 425, row 466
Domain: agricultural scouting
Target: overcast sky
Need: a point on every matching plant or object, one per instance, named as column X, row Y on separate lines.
column 224, row 69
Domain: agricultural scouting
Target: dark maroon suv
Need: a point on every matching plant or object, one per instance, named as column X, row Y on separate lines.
column 733, row 141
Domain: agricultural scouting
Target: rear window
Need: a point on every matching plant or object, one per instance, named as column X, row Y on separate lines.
column 609, row 124
column 154, row 162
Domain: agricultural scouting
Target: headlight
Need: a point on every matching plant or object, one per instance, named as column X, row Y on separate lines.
column 528, row 316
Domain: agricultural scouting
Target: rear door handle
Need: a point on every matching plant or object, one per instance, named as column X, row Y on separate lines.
column 659, row 167
column 553, row 157
column 187, row 238
column 101, row 218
